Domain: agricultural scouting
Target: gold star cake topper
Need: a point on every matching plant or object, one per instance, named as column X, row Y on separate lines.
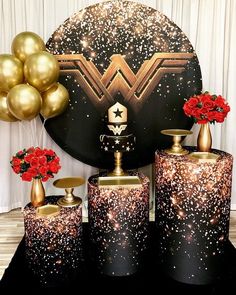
column 117, row 116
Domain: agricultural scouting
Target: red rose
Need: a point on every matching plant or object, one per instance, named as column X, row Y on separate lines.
column 220, row 101
column 34, row 162
column 187, row 110
column 30, row 150
column 45, row 178
column 28, row 158
column 43, row 160
column 56, row 160
column 219, row 117
column 226, row 109
column 54, row 167
column 20, row 153
column 212, row 116
column 38, row 152
column 26, row 176
column 198, row 114
column 43, row 170
column 16, row 161
column 202, row 121
column 208, row 103
column 193, row 102
column 50, row 153
column 16, row 169
column 203, row 111
column 33, row 172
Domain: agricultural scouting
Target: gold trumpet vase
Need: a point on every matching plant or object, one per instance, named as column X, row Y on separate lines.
column 204, row 140
column 37, row 195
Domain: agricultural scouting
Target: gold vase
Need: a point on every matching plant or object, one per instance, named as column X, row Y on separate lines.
column 204, row 140
column 37, row 193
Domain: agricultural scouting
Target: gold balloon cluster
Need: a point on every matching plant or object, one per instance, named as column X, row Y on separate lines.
column 28, row 81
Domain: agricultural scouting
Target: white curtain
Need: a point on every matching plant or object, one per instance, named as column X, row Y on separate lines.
column 209, row 25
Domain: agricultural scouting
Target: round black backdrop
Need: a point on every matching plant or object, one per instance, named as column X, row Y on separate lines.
column 136, row 32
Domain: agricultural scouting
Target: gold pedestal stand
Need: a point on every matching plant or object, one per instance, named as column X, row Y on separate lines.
column 69, row 183
column 176, row 148
column 118, row 171
column 118, row 177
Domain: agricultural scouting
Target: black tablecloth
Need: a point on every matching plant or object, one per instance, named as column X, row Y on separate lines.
column 149, row 278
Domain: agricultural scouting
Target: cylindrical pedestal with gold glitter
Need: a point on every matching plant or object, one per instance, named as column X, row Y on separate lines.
column 53, row 243
column 192, row 215
column 118, row 222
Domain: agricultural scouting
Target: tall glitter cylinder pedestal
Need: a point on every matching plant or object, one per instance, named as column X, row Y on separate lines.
column 192, row 215
column 53, row 244
column 118, row 222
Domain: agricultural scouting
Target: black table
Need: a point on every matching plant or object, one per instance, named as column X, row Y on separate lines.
column 149, row 278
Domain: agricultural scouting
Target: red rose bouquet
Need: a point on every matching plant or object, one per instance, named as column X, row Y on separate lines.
column 35, row 163
column 204, row 108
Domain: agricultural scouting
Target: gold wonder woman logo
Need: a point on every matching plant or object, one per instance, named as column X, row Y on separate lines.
column 135, row 88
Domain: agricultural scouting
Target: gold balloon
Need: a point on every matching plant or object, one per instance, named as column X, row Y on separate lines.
column 25, row 44
column 5, row 114
column 41, row 70
column 24, row 102
column 55, row 101
column 11, row 72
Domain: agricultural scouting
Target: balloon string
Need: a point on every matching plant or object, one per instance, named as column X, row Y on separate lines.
column 35, row 131
column 32, row 132
column 41, row 133
column 27, row 131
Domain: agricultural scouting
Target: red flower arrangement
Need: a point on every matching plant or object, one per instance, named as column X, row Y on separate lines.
column 35, row 163
column 204, row 108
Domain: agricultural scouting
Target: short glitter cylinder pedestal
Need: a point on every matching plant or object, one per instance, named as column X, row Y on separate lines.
column 53, row 244
column 192, row 215
column 118, row 222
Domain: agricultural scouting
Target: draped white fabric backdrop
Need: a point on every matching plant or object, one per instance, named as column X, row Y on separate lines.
column 209, row 25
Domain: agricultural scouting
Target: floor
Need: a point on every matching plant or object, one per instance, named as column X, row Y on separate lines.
column 12, row 230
